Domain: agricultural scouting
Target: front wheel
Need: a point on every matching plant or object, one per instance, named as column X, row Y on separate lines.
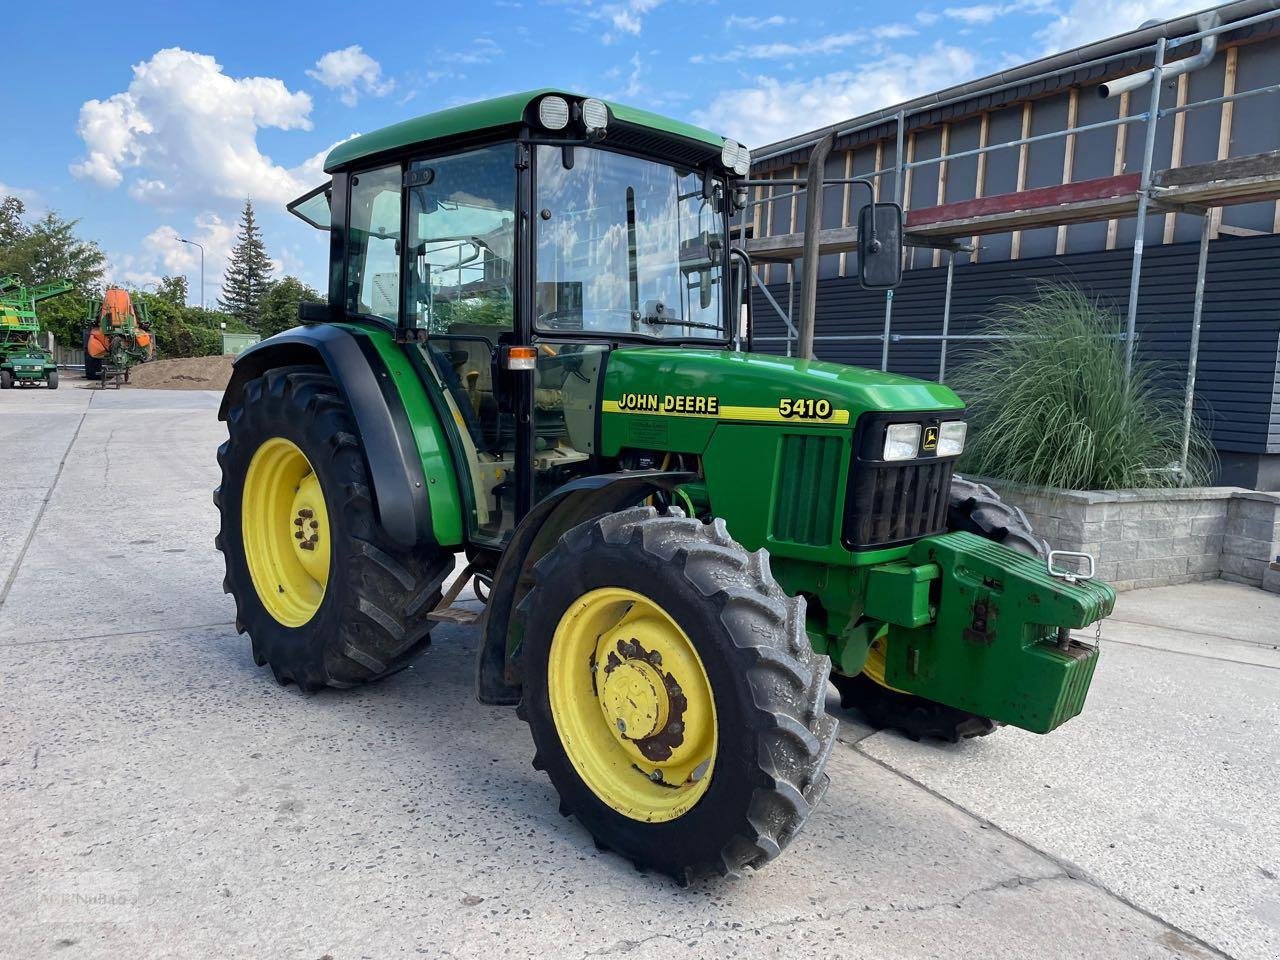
column 327, row 598
column 52, row 380
column 673, row 697
column 6, row 380
column 977, row 509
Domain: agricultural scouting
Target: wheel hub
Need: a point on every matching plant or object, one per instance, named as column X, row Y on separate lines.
column 634, row 700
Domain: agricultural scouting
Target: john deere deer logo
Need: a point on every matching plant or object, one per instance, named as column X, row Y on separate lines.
column 930, row 439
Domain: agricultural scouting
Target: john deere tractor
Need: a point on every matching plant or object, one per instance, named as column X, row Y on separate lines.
column 535, row 364
column 23, row 361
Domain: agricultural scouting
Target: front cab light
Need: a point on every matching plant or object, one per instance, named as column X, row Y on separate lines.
column 553, row 112
column 902, row 441
column 951, row 438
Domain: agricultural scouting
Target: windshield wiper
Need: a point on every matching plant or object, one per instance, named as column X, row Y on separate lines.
column 677, row 322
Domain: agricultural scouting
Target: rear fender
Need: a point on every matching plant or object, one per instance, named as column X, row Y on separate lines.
column 498, row 675
column 397, row 480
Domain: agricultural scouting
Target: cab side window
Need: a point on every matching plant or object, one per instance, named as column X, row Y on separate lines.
column 373, row 244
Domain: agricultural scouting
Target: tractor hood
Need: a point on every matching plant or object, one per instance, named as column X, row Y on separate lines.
column 720, row 385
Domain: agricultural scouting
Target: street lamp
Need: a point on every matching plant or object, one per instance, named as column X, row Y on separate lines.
column 201, row 246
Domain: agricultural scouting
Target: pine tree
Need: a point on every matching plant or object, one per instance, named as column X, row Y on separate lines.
column 248, row 273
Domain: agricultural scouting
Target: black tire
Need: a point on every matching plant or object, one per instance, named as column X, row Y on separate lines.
column 6, row 380
column 52, row 380
column 92, row 365
column 372, row 620
column 767, row 683
column 976, row 508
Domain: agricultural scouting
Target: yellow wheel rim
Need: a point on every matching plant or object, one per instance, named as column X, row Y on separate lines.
column 285, row 528
column 632, row 704
column 874, row 666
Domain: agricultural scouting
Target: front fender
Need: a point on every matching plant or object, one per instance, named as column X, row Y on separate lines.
column 497, row 676
column 397, row 480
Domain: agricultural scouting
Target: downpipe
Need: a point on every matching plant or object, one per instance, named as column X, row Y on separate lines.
column 1135, row 81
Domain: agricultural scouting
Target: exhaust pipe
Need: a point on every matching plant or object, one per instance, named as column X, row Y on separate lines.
column 809, row 252
column 1208, row 48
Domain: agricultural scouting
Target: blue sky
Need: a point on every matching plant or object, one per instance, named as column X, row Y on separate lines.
column 149, row 120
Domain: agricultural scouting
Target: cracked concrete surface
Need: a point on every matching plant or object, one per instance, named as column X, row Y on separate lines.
column 161, row 797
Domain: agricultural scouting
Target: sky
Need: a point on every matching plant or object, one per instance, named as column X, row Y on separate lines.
column 151, row 121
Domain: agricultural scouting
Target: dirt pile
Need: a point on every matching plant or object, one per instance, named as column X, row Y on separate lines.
column 189, row 373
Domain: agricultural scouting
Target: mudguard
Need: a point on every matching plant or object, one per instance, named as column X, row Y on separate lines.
column 497, row 671
column 399, row 488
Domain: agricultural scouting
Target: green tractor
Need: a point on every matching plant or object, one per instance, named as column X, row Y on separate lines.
column 535, row 361
column 23, row 361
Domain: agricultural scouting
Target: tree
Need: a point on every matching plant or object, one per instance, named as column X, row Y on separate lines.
column 47, row 250
column 249, row 272
column 280, row 305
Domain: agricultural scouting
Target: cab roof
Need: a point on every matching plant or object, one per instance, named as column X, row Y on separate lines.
column 509, row 110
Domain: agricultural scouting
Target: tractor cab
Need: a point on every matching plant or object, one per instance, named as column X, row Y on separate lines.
column 518, row 256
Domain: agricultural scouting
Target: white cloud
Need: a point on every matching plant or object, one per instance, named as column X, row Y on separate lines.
column 160, row 254
column 1087, row 20
column 893, row 31
column 757, row 23
column 980, row 13
column 188, row 131
column 479, row 50
column 30, row 198
column 818, row 46
column 350, row 71
column 623, row 18
column 927, row 19
column 773, row 109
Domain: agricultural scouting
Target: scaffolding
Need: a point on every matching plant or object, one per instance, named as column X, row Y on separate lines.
column 1199, row 189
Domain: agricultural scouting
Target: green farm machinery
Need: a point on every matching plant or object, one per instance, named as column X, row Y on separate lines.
column 23, row 361
column 535, row 365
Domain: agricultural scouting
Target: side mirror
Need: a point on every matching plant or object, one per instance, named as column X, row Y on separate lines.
column 880, row 246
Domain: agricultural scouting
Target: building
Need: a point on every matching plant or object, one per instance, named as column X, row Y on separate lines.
column 1061, row 201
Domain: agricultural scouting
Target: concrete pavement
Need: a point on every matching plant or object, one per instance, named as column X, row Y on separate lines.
column 161, row 797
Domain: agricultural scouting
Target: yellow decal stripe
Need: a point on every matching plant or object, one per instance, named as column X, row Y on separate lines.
column 758, row 414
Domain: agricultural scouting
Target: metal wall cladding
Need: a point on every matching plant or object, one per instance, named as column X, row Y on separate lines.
column 1237, row 385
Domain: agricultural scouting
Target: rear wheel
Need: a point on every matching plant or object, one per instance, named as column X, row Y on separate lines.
column 325, row 596
column 672, row 694
column 977, row 509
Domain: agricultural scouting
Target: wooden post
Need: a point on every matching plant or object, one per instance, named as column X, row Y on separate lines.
column 1117, row 164
column 844, row 204
column 908, row 254
column 791, row 267
column 1068, row 160
column 1175, row 158
column 768, row 267
column 942, row 180
column 1224, row 128
column 984, row 132
column 1015, row 245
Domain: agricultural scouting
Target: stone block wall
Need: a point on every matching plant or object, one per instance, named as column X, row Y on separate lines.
column 1147, row 538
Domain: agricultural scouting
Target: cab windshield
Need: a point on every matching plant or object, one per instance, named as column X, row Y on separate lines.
column 627, row 246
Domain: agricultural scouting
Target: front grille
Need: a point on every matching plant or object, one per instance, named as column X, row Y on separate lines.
column 894, row 503
column 805, row 499
column 897, row 503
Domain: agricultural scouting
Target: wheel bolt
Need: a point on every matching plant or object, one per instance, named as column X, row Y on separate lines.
column 675, row 728
column 297, row 521
column 656, row 776
column 305, row 513
column 298, row 535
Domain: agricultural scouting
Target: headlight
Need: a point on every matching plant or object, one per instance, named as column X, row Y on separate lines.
column 553, row 112
column 595, row 115
column 951, row 438
column 902, row 441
